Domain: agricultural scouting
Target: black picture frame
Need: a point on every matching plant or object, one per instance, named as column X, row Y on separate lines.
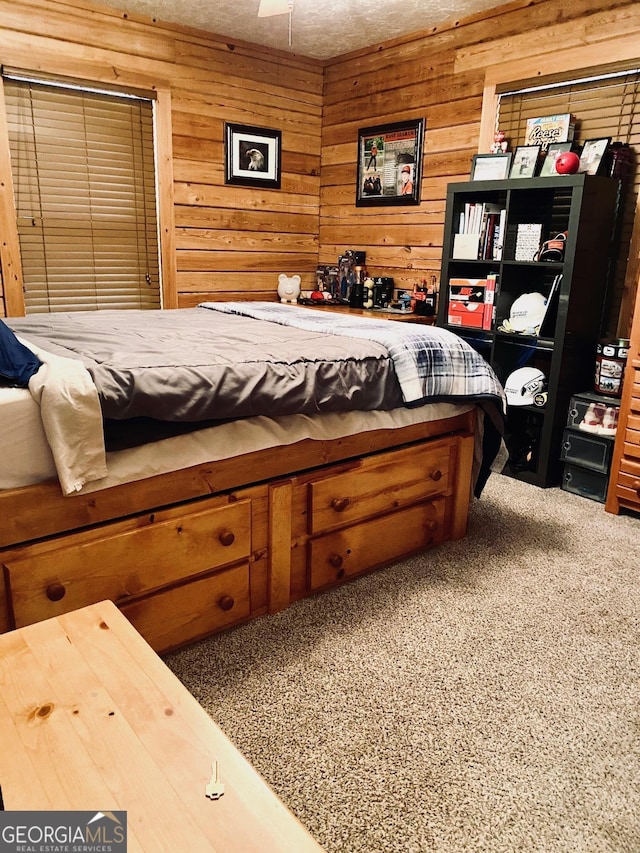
column 554, row 150
column 490, row 167
column 253, row 156
column 390, row 164
column 525, row 161
column 593, row 154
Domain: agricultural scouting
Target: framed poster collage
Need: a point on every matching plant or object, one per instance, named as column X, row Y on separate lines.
column 390, row 164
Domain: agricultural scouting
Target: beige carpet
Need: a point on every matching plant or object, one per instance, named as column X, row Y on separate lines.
column 484, row 697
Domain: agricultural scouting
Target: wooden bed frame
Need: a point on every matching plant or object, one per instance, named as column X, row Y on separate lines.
column 192, row 552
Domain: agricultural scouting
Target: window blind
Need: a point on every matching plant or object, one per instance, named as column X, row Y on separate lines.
column 83, row 168
column 605, row 105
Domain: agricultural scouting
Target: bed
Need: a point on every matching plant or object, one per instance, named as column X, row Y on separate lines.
column 204, row 466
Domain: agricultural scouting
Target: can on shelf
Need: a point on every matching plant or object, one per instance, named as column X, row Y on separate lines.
column 611, row 357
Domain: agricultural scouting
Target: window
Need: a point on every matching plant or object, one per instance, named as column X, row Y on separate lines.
column 606, row 104
column 83, row 169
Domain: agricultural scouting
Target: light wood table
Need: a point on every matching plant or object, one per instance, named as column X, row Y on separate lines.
column 92, row 719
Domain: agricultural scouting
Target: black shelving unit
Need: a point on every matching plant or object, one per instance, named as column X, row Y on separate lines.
column 564, row 350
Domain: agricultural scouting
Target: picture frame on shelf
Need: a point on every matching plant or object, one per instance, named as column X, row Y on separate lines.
column 490, row 167
column 555, row 149
column 592, row 155
column 253, row 156
column 390, row 164
column 525, row 161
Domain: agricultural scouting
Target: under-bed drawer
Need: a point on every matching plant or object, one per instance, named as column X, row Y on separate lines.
column 118, row 562
column 4, row 613
column 171, row 617
column 379, row 484
column 347, row 552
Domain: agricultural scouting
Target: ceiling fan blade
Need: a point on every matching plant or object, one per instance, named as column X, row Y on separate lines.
column 273, row 7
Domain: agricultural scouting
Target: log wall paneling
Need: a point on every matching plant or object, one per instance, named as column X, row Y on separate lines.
column 448, row 75
column 218, row 241
column 224, row 242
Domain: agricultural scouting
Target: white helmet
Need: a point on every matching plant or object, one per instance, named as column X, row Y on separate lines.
column 527, row 313
column 523, row 384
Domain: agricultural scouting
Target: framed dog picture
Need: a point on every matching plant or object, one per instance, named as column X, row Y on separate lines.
column 252, row 156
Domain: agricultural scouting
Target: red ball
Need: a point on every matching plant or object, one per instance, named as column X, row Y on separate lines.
column 567, row 163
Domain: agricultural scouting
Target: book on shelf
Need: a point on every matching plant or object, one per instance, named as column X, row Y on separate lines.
column 480, row 230
column 498, row 239
column 489, row 235
column 490, row 301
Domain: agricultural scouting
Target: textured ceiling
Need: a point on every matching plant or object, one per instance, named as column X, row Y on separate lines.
column 320, row 28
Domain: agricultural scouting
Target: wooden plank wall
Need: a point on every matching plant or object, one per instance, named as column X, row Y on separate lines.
column 228, row 241
column 441, row 75
column 232, row 242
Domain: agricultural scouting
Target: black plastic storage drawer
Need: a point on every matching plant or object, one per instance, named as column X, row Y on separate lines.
column 589, row 451
column 586, row 483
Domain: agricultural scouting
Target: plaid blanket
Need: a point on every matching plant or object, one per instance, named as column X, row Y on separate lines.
column 431, row 364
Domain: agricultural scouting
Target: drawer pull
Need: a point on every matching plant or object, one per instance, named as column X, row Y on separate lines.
column 226, row 602
column 340, row 504
column 636, row 486
column 335, row 560
column 55, row 591
column 227, row 538
column 436, row 475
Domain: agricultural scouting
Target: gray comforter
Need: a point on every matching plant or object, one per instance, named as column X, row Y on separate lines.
column 192, row 365
column 174, row 370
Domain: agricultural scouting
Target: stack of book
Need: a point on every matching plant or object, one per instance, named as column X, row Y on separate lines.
column 480, row 232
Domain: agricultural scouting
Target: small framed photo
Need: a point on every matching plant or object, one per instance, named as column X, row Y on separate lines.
column 592, row 155
column 554, row 150
column 525, row 161
column 390, row 164
column 252, row 156
column 490, row 167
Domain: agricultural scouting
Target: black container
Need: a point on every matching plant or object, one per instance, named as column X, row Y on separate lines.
column 587, row 451
column 426, row 307
column 356, row 297
column 586, row 483
column 382, row 291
